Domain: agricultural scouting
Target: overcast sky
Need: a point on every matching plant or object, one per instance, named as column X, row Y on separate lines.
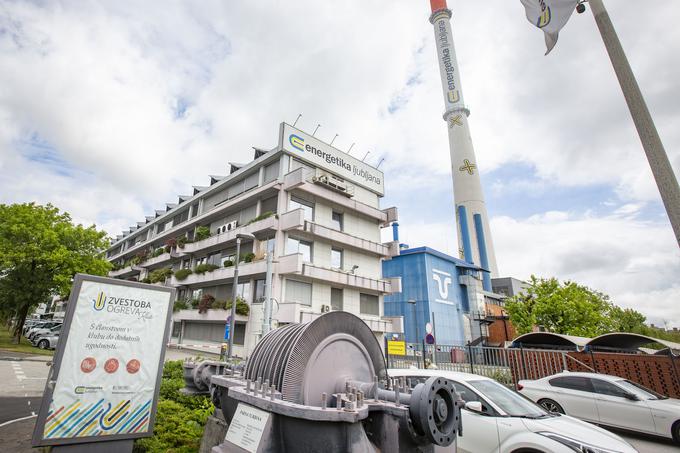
column 109, row 110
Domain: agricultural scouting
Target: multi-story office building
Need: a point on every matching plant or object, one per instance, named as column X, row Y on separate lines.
column 316, row 207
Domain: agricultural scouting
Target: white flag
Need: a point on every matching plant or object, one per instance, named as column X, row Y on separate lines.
column 550, row 16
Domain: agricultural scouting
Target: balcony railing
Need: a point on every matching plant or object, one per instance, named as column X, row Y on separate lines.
column 347, row 279
column 125, row 272
column 217, row 240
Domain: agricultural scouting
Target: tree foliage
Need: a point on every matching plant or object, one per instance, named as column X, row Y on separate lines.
column 40, row 252
column 571, row 309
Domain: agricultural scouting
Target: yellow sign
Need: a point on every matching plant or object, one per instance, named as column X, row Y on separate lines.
column 396, row 348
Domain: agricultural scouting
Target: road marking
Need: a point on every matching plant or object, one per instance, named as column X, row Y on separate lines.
column 17, row 420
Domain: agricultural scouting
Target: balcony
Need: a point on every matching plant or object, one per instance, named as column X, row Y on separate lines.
column 348, row 280
column 294, row 220
column 296, row 180
column 160, row 260
column 285, row 264
column 217, row 241
column 383, row 324
column 125, row 272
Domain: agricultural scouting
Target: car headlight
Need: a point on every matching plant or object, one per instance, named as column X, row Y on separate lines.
column 574, row 444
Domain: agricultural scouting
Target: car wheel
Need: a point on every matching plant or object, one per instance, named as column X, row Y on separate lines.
column 675, row 432
column 551, row 406
column 43, row 344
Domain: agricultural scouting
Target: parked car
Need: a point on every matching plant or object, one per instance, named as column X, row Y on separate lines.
column 49, row 341
column 42, row 329
column 39, row 333
column 607, row 400
column 497, row 419
column 32, row 323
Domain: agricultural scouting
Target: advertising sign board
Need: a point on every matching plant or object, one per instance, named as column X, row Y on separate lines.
column 106, row 375
column 305, row 147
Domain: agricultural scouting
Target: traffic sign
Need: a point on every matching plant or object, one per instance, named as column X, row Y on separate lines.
column 428, row 328
column 429, row 338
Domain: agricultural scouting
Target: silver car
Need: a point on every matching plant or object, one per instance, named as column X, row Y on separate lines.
column 47, row 341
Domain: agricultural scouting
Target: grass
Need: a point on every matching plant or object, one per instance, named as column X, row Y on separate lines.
column 24, row 346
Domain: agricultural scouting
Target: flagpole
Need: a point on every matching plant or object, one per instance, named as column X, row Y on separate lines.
column 656, row 154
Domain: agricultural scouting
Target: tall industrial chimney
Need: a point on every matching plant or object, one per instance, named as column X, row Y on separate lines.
column 474, row 236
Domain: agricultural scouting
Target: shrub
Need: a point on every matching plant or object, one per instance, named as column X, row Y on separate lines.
column 228, row 263
column 180, row 304
column 203, row 268
column 194, row 303
column 205, row 303
column 146, row 280
column 181, row 241
column 242, row 307
column 171, row 242
column 183, row 274
column 158, row 252
column 218, row 304
column 180, row 419
column 202, row 232
column 159, row 275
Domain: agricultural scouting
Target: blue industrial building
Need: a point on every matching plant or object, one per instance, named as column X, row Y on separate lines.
column 433, row 280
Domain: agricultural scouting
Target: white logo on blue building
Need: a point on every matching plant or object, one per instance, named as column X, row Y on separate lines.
column 444, row 281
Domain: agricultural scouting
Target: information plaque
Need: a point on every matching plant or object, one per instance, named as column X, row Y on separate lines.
column 106, row 375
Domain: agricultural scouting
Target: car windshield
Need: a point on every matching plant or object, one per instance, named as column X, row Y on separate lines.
column 512, row 403
column 640, row 390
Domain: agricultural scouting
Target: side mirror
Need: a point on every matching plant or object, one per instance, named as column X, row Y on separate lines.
column 632, row 397
column 474, row 406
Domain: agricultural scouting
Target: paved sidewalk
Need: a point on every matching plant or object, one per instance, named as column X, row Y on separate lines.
column 21, row 356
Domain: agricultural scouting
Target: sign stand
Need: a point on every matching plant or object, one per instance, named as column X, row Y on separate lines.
column 102, row 390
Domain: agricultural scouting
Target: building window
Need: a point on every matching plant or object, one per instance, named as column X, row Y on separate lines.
column 336, row 299
column 239, row 333
column 336, row 258
column 298, row 292
column 194, row 210
column 306, row 206
column 294, row 245
column 259, row 291
column 243, row 291
column 369, row 304
column 336, row 220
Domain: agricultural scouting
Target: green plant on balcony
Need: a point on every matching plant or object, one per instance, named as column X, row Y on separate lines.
column 127, row 263
column 205, row 303
column 181, row 241
column 158, row 252
column 228, row 263
column 264, row 215
column 203, row 268
column 146, row 280
column 180, row 304
column 160, row 275
column 194, row 303
column 117, row 266
column 247, row 257
column 135, row 260
column 242, row 307
column 218, row 304
column 182, row 274
column 202, row 232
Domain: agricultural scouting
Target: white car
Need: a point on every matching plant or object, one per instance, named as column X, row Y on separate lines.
column 607, row 400
column 497, row 419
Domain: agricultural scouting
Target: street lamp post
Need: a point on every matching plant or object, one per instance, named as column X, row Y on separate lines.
column 415, row 321
column 234, row 292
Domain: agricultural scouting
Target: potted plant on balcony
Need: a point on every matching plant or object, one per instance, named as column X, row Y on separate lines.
column 158, row 252
column 170, row 244
column 228, row 263
column 203, row 268
column 182, row 274
column 242, row 307
column 160, row 275
column 202, row 232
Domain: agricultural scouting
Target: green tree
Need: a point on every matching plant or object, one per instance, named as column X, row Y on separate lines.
column 40, row 252
column 569, row 308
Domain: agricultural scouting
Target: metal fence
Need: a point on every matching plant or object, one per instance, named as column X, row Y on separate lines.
column 507, row 366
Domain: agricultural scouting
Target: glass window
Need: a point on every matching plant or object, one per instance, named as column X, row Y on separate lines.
column 336, row 299
column 510, row 402
column 271, row 172
column 336, row 258
column 336, row 220
column 259, row 291
column 239, row 333
column 306, row 206
column 294, row 245
column 369, row 304
column 573, row 383
column 243, row 291
column 194, row 210
column 607, row 388
column 641, row 390
column 251, row 181
column 298, row 292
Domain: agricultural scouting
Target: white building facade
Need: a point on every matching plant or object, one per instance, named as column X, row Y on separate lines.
column 315, row 206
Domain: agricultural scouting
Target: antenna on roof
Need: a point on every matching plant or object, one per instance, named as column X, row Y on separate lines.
column 381, row 161
column 366, row 155
column 350, row 147
column 336, row 136
column 296, row 119
column 317, row 128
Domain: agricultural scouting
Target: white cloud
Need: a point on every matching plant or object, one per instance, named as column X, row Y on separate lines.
column 143, row 100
